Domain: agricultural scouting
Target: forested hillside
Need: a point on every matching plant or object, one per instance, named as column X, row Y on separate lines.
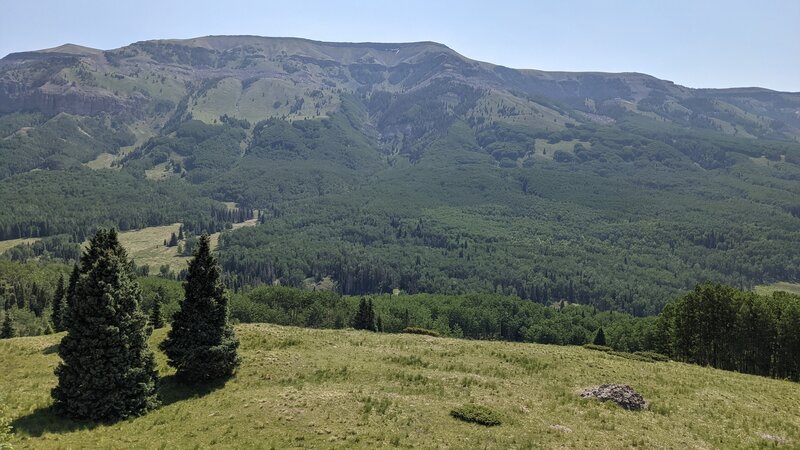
column 377, row 167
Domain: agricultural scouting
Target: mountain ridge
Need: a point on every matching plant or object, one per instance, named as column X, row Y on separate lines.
column 365, row 65
column 77, row 49
column 409, row 168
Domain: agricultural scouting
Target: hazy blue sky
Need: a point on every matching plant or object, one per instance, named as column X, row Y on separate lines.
column 697, row 43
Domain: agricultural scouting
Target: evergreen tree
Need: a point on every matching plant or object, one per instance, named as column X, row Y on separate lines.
column 72, row 287
column 201, row 344
column 7, row 331
column 58, row 304
column 787, row 351
column 156, row 319
column 173, row 240
column 107, row 372
column 600, row 337
column 365, row 316
column 180, row 233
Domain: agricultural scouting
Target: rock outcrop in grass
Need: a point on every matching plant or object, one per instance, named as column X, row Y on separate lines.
column 621, row 394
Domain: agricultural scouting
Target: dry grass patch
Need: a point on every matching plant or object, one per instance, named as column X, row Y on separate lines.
column 768, row 289
column 352, row 389
column 11, row 243
column 146, row 247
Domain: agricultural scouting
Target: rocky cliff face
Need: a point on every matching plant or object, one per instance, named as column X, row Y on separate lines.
column 51, row 101
column 257, row 78
column 41, row 82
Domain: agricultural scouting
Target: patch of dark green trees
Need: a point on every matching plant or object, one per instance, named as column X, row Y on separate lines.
column 107, row 371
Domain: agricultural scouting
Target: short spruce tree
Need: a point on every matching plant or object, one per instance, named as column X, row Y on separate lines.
column 59, row 300
column 600, row 337
column 201, row 344
column 7, row 331
column 72, row 287
column 156, row 318
column 365, row 316
column 107, row 372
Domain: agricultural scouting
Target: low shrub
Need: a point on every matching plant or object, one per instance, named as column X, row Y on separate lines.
column 425, row 331
column 477, row 414
column 601, row 348
column 653, row 355
column 631, row 356
column 642, row 356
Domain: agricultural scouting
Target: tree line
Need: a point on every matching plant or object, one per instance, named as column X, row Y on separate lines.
column 722, row 327
column 714, row 325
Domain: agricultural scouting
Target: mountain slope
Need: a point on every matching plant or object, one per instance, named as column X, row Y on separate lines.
column 78, row 80
column 409, row 166
column 350, row 389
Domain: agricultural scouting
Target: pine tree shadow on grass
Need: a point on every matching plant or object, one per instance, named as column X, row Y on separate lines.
column 50, row 350
column 172, row 390
column 46, row 420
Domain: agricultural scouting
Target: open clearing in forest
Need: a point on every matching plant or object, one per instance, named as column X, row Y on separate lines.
column 792, row 288
column 146, row 246
column 11, row 243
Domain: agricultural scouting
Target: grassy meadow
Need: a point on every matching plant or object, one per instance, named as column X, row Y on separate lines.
column 146, row 246
column 11, row 243
column 350, row 389
column 792, row 288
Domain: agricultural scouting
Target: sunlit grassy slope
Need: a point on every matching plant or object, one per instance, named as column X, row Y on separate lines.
column 350, row 389
column 146, row 246
column 792, row 288
column 11, row 243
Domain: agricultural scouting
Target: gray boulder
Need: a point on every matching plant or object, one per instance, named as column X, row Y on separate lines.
column 621, row 394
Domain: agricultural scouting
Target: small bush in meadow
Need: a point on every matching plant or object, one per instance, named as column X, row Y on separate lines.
column 641, row 356
column 653, row 356
column 477, row 414
column 600, row 348
column 425, row 331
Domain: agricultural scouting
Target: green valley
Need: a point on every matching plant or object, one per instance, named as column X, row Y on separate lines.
column 511, row 237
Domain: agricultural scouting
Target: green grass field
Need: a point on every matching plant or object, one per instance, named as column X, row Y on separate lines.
column 146, row 246
column 350, row 389
column 792, row 288
column 11, row 243
column 102, row 161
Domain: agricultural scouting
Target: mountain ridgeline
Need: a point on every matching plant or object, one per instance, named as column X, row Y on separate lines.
column 377, row 167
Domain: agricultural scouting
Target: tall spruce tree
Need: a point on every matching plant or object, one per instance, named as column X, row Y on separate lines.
column 72, row 287
column 156, row 319
column 7, row 332
column 201, row 344
column 107, row 372
column 59, row 298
